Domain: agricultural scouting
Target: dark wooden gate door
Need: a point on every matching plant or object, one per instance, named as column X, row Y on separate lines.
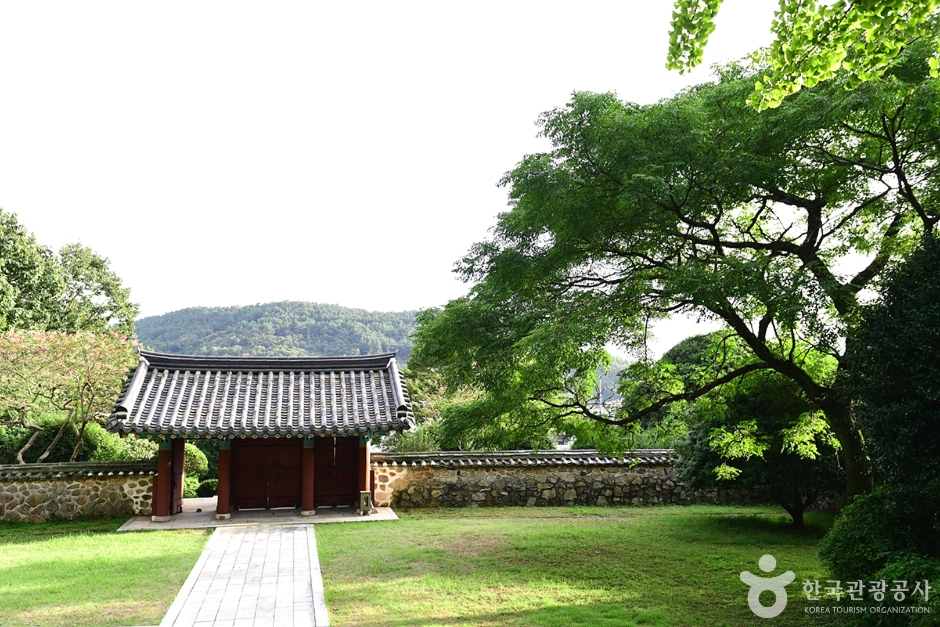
column 176, row 477
column 267, row 473
column 336, row 472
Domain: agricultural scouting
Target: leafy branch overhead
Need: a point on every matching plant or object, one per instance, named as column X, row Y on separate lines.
column 813, row 42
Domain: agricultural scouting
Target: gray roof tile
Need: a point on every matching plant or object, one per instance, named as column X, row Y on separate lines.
column 263, row 396
column 452, row 459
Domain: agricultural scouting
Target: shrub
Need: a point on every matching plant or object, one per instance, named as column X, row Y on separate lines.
column 194, row 461
column 136, row 447
column 98, row 444
column 190, row 486
column 207, row 488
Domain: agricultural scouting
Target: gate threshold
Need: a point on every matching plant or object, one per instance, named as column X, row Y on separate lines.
column 199, row 513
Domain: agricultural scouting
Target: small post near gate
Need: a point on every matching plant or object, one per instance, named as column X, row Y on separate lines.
column 365, row 503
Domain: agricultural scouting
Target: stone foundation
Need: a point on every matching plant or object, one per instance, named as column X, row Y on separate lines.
column 38, row 492
column 534, row 478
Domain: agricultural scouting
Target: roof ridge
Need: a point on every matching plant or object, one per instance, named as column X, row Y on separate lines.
column 267, row 363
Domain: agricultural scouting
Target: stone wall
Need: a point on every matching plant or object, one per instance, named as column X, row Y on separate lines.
column 37, row 492
column 445, row 479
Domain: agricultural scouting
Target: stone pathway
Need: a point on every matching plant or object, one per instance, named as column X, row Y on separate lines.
column 253, row 576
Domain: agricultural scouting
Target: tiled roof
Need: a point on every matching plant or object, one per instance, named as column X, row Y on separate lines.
column 76, row 469
column 263, row 396
column 461, row 459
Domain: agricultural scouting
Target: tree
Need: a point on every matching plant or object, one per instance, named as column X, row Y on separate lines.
column 895, row 382
column 92, row 297
column 894, row 533
column 78, row 374
column 696, row 205
column 856, row 40
column 72, row 291
column 29, row 280
column 762, row 435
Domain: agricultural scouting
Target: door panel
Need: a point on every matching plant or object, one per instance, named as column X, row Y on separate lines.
column 284, row 476
column 267, row 473
column 251, row 479
column 336, row 471
column 347, row 471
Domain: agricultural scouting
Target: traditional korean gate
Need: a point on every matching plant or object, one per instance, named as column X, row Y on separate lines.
column 336, row 472
column 267, row 473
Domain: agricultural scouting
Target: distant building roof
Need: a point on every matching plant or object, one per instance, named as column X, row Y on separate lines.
column 263, row 396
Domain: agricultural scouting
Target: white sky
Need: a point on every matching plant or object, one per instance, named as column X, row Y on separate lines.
column 230, row 153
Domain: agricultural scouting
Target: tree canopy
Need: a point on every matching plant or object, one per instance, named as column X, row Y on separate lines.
column 76, row 374
column 856, row 40
column 701, row 206
column 73, row 291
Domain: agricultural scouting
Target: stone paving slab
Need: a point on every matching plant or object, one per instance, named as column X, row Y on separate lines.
column 253, row 576
column 190, row 518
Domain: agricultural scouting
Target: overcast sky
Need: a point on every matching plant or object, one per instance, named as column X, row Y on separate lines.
column 231, row 153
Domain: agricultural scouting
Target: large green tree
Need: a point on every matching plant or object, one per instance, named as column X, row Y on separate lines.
column 854, row 40
column 72, row 291
column 771, row 223
column 894, row 533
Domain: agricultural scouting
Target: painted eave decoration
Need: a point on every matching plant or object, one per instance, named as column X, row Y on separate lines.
column 260, row 397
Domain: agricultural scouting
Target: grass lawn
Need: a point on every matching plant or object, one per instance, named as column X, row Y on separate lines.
column 83, row 574
column 597, row 567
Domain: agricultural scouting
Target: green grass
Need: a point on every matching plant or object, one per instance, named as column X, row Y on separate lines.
column 641, row 566
column 83, row 574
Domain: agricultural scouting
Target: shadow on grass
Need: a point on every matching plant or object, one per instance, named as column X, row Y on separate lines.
column 589, row 615
column 17, row 530
column 748, row 529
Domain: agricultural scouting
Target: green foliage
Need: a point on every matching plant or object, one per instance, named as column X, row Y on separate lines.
column 77, row 374
column 762, row 434
column 209, row 487
column 896, row 385
column 284, row 328
column 93, row 296
column 702, row 206
column 29, row 282
column 136, row 448
column 211, row 450
column 72, row 291
column 854, row 40
column 195, row 463
column 190, row 486
column 97, row 444
column 896, row 373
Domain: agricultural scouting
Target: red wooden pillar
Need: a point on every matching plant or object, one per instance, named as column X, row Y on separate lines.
column 161, row 496
column 364, row 466
column 176, row 483
column 307, row 503
column 223, row 506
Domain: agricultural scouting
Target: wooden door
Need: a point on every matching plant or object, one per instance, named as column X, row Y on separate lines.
column 336, row 472
column 284, row 474
column 176, row 477
column 266, row 473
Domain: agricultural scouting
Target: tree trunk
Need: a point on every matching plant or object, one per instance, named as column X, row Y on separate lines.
column 796, row 513
column 857, row 471
column 56, row 439
column 29, row 443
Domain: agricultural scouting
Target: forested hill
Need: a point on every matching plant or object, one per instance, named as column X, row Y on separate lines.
column 287, row 328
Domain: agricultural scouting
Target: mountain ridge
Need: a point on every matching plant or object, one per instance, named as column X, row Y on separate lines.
column 283, row 328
